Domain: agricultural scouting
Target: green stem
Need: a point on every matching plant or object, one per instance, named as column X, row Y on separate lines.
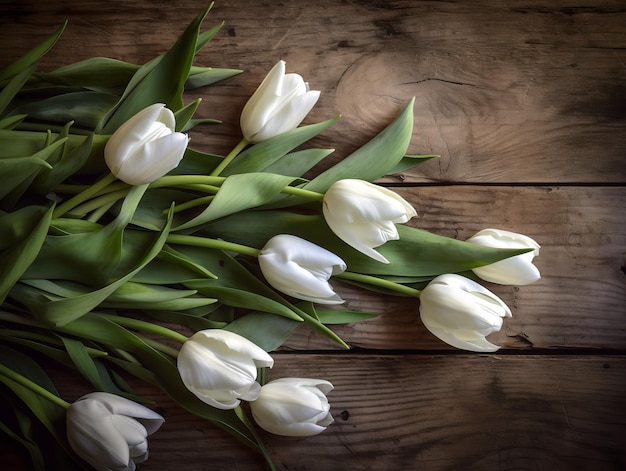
column 34, row 387
column 196, row 241
column 83, row 196
column 107, row 199
column 375, row 281
column 144, row 326
column 230, row 157
column 161, row 347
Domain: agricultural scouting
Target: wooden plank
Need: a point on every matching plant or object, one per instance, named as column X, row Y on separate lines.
column 505, row 92
column 428, row 412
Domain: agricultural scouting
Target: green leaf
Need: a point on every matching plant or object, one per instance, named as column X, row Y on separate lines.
column 11, row 122
column 296, row 164
column 83, row 361
column 184, row 115
column 266, row 330
column 95, row 73
column 260, row 156
column 203, row 76
column 13, row 87
column 342, row 316
column 24, row 232
column 376, row 158
column 238, row 193
column 32, row 56
column 85, row 108
column 158, row 81
column 410, row 161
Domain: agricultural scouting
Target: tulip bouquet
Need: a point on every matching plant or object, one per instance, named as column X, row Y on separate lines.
column 126, row 252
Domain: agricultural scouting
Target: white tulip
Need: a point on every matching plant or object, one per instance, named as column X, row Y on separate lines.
column 518, row 270
column 110, row 432
column 300, row 268
column 279, row 104
column 145, row 147
column 220, row 367
column 294, row 407
column 461, row 312
column 364, row 215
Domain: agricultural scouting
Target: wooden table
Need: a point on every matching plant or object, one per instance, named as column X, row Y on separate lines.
column 526, row 103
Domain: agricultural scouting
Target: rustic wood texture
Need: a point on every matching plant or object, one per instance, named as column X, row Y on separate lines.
column 526, row 103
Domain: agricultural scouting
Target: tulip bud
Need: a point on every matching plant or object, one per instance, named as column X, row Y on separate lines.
column 300, row 268
column 294, row 407
column 517, row 270
column 461, row 312
column 220, row 367
column 364, row 215
column 280, row 104
column 145, row 147
column 109, row 432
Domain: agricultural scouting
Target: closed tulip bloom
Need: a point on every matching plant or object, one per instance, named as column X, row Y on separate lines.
column 364, row 215
column 145, row 147
column 518, row 270
column 220, row 367
column 461, row 312
column 294, row 407
column 280, row 104
column 110, row 432
column 300, row 268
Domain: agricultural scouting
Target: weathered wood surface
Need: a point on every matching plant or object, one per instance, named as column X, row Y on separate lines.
column 525, row 102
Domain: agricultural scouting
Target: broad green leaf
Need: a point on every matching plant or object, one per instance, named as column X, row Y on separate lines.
column 264, row 329
column 159, row 81
column 260, row 156
column 376, row 158
column 32, row 56
column 95, row 72
column 82, row 360
column 297, row 163
column 85, row 108
column 184, row 115
column 24, row 232
column 238, row 193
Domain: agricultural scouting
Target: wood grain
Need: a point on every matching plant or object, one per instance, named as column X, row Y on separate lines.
column 526, row 103
column 505, row 92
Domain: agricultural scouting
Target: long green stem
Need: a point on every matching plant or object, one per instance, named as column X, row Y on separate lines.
column 212, row 244
column 375, row 281
column 144, row 326
column 34, row 387
column 230, row 157
column 83, row 196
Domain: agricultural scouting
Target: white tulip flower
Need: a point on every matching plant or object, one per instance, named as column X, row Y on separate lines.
column 145, row 147
column 300, row 268
column 364, row 215
column 461, row 312
column 279, row 104
column 220, row 367
column 517, row 270
column 110, row 432
column 293, row 407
